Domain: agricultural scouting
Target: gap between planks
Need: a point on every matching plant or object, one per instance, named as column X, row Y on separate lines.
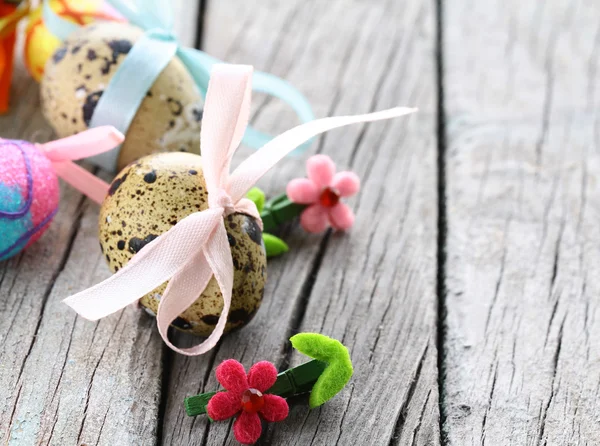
column 442, row 227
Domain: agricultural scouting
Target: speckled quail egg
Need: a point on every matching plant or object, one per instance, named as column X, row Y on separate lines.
column 78, row 73
column 150, row 196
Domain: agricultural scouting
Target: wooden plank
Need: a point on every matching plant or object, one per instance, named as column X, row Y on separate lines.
column 373, row 288
column 185, row 14
column 69, row 381
column 522, row 117
column 83, row 382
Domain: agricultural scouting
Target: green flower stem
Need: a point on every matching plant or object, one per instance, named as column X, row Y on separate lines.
column 279, row 210
column 292, row 382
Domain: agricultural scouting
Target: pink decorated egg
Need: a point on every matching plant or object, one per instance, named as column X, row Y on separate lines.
column 29, row 195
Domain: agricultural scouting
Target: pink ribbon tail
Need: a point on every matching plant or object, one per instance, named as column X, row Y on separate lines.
column 196, row 248
column 190, row 281
column 85, row 182
column 158, row 262
column 91, row 142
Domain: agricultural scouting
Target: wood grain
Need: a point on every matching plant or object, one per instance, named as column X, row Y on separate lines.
column 67, row 381
column 373, row 288
column 84, row 382
column 521, row 361
column 521, row 125
column 185, row 15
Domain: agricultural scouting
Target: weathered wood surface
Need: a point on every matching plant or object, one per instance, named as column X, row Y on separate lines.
column 66, row 381
column 522, row 110
column 75, row 382
column 373, row 288
column 519, row 231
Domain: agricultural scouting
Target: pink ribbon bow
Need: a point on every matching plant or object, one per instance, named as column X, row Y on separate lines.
column 91, row 142
column 196, row 248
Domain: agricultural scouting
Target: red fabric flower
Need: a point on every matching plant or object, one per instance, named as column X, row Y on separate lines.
column 245, row 395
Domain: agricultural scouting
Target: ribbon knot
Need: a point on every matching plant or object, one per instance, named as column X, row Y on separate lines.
column 221, row 199
column 196, row 248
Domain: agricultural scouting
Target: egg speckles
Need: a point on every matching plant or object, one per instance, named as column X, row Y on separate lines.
column 150, row 196
column 78, row 73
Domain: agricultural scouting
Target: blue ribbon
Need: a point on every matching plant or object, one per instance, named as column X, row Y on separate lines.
column 58, row 26
column 127, row 88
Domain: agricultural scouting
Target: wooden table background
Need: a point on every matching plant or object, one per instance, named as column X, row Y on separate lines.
column 467, row 291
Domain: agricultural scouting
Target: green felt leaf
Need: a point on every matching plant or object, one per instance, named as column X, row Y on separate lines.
column 258, row 197
column 338, row 371
column 274, row 245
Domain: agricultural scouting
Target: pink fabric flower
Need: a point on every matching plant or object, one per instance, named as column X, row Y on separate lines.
column 245, row 396
column 322, row 191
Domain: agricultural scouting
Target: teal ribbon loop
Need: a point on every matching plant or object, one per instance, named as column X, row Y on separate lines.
column 129, row 85
column 146, row 60
column 58, row 26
